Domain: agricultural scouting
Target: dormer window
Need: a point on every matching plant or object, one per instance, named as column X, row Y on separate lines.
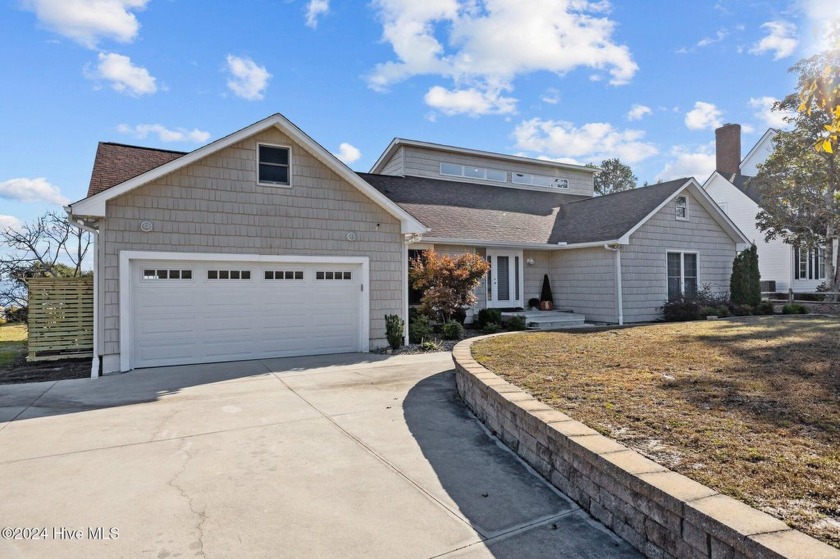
column 539, row 180
column 682, row 208
column 274, row 165
column 470, row 172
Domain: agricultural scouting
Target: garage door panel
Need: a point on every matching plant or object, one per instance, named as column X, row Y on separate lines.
column 177, row 321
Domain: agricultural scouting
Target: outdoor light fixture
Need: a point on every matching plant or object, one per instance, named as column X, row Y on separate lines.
column 529, row 261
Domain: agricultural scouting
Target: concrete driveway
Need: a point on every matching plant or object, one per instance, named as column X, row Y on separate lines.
column 338, row 456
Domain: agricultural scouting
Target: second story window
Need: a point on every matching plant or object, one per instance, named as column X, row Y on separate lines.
column 682, row 208
column 539, row 180
column 470, row 172
column 274, row 165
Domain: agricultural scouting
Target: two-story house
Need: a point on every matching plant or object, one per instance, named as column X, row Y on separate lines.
column 263, row 244
column 782, row 266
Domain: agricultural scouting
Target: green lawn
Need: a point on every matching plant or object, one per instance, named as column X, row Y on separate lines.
column 12, row 343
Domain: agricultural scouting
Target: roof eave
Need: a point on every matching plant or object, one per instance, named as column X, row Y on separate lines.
column 95, row 206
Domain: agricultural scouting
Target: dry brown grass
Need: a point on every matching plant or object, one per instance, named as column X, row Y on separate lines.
column 749, row 407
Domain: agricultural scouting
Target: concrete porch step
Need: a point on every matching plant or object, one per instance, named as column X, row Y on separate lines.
column 548, row 320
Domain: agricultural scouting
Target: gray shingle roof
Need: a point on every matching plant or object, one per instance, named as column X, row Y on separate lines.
column 457, row 210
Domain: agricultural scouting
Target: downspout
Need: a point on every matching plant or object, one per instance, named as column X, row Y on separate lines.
column 94, row 365
column 618, row 288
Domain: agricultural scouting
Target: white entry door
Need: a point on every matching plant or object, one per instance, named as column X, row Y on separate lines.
column 505, row 278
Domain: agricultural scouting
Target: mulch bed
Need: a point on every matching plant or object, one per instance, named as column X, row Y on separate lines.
column 21, row 371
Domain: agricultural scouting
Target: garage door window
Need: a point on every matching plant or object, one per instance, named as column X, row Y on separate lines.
column 228, row 274
column 284, row 274
column 333, row 275
column 167, row 274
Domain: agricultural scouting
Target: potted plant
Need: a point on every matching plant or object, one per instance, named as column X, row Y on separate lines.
column 546, row 300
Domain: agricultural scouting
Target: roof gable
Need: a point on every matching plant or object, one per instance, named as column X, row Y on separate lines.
column 95, row 205
column 469, row 212
column 116, row 163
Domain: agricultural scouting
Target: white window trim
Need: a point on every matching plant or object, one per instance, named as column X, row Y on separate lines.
column 676, row 205
column 127, row 258
column 272, row 184
column 681, row 252
column 531, row 181
column 463, row 174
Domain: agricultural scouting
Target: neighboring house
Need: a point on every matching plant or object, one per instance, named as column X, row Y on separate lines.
column 262, row 244
column 781, row 265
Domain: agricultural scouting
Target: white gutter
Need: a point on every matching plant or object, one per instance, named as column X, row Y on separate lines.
column 94, row 365
column 618, row 288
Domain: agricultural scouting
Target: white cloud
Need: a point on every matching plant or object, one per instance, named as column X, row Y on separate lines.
column 638, row 112
column 9, row 222
column 706, row 41
column 704, row 116
column 472, row 101
column 780, row 40
column 165, row 134
column 314, row 10
column 348, row 153
column 698, row 163
column 551, row 96
column 89, row 21
column 490, row 42
column 765, row 112
column 591, row 142
column 32, row 190
column 124, row 76
column 248, row 80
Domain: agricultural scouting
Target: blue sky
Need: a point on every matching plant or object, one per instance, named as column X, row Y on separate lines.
column 571, row 80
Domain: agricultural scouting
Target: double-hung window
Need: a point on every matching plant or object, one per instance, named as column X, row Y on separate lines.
column 682, row 275
column 808, row 264
column 682, row 208
column 274, row 165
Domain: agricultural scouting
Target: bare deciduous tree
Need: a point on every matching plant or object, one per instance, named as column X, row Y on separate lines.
column 49, row 246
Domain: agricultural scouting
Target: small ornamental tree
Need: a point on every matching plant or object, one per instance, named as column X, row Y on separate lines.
column 745, row 282
column 447, row 282
column 545, row 294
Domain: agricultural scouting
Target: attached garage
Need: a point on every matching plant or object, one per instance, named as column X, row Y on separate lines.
column 209, row 308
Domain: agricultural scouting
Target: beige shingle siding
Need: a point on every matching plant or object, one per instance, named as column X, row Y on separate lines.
column 583, row 281
column 426, row 163
column 644, row 267
column 395, row 164
column 534, row 274
column 215, row 206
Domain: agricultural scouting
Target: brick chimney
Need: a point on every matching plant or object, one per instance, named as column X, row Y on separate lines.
column 728, row 149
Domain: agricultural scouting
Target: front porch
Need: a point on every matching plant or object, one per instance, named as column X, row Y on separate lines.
column 547, row 320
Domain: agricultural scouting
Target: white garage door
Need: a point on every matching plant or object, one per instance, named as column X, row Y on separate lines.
column 201, row 312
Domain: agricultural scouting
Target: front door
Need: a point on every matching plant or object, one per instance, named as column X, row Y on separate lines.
column 505, row 278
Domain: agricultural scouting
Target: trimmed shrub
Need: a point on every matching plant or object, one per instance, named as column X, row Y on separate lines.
column 765, row 307
column 740, row 309
column 419, row 329
column 452, row 330
column 516, row 323
column 486, row 316
column 795, row 309
column 545, row 294
column 394, row 330
column 681, row 309
column 491, row 328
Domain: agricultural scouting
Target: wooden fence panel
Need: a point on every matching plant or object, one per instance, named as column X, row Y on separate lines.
column 60, row 318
